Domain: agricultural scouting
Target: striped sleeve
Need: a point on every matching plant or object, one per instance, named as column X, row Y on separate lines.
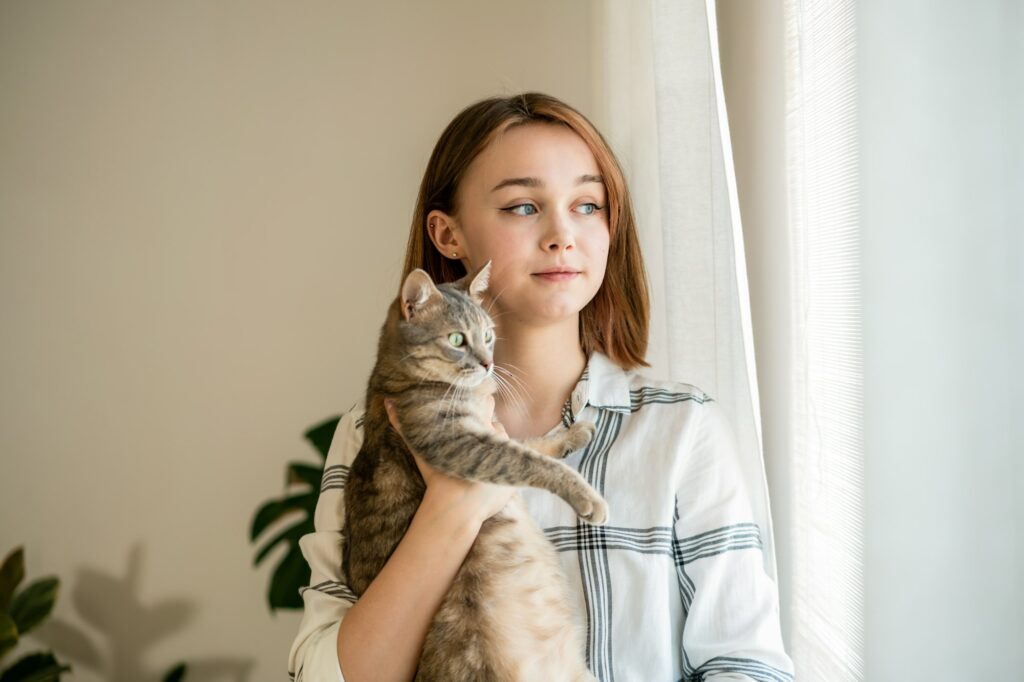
column 327, row 598
column 730, row 604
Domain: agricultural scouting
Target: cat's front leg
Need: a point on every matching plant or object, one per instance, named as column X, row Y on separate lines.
column 585, row 501
column 485, row 456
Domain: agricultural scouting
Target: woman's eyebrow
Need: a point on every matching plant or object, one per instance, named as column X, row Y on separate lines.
column 537, row 182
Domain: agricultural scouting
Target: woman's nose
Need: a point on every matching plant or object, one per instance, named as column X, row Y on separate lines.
column 559, row 234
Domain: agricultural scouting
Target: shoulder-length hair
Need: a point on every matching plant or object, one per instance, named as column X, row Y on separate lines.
column 616, row 320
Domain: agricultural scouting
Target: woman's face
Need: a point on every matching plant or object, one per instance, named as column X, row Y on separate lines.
column 533, row 200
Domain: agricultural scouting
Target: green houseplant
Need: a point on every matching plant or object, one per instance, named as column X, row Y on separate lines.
column 23, row 611
column 19, row 613
column 292, row 572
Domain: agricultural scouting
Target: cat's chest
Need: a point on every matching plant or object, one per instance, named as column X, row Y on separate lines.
column 515, row 542
column 514, row 524
column 478, row 404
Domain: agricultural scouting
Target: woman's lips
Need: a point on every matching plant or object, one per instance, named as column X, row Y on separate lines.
column 557, row 276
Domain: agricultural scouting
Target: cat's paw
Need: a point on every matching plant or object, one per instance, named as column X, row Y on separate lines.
column 597, row 514
column 578, row 436
column 593, row 510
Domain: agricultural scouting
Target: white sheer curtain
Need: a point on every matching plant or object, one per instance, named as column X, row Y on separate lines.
column 660, row 101
column 827, row 427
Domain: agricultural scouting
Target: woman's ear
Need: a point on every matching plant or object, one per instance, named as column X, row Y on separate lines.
column 444, row 235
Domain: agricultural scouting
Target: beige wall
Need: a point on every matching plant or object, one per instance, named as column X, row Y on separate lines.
column 203, row 209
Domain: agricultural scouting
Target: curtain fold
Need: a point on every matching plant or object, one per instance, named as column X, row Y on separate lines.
column 661, row 102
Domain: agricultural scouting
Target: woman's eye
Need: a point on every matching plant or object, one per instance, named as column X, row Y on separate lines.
column 594, row 208
column 456, row 339
column 512, row 209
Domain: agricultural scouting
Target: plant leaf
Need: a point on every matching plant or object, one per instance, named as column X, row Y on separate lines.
column 292, row 573
column 275, row 509
column 34, row 603
column 299, row 472
column 12, row 572
column 321, row 435
column 175, row 674
column 8, row 634
column 37, row 667
column 291, row 534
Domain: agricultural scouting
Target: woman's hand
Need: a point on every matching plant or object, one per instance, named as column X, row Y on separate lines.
column 475, row 500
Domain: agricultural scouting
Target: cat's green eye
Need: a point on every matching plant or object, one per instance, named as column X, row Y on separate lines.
column 489, row 336
column 456, row 339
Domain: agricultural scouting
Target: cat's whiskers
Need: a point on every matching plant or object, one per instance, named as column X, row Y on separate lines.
column 502, row 386
column 494, row 299
column 508, row 368
column 509, row 364
column 444, row 398
column 519, row 384
column 504, row 367
column 512, row 397
column 460, row 388
column 457, row 387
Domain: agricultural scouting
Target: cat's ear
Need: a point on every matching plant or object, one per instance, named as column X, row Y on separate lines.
column 418, row 292
column 480, row 281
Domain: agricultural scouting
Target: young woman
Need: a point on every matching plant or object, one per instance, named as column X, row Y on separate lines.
column 673, row 587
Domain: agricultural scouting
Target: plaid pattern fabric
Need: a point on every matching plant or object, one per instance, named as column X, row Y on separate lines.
column 672, row 588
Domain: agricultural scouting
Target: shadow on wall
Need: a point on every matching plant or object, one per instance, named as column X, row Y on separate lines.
column 110, row 605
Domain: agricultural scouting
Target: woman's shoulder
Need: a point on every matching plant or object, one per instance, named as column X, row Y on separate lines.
column 648, row 383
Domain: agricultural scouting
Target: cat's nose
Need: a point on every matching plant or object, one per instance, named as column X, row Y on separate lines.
column 487, row 364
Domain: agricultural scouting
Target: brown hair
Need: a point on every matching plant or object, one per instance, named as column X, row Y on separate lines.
column 616, row 320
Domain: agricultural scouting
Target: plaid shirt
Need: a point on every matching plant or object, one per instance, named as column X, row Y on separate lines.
column 672, row 588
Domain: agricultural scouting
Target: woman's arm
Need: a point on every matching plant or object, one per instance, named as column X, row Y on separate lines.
column 382, row 635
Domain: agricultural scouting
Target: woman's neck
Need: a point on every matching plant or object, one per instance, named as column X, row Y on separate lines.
column 545, row 362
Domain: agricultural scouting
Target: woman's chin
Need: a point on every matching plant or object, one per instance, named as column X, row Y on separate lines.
column 541, row 308
column 557, row 309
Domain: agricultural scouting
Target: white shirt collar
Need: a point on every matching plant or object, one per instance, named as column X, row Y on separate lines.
column 603, row 384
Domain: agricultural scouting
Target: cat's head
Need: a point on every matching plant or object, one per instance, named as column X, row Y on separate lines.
column 446, row 332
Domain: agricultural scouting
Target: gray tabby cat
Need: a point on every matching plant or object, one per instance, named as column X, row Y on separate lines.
column 507, row 615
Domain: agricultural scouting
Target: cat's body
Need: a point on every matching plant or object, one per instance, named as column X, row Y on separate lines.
column 507, row 615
